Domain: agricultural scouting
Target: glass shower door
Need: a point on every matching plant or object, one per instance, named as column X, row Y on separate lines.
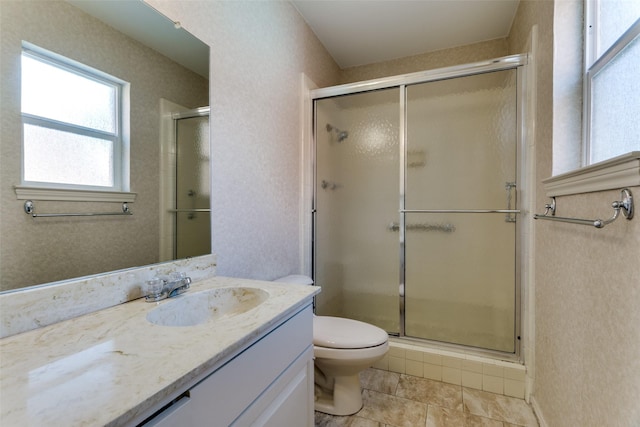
column 460, row 255
column 357, row 183
column 193, row 218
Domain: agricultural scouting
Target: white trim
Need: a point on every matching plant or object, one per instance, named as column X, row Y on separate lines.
column 590, row 23
column 39, row 193
column 306, row 173
column 619, row 172
column 528, row 249
column 538, row 412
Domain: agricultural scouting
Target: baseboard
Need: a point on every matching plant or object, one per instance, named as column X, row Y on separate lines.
column 538, row 412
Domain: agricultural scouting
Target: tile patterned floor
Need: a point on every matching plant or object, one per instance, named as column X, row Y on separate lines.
column 398, row 400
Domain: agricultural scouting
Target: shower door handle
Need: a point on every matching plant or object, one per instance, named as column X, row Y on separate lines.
column 509, row 217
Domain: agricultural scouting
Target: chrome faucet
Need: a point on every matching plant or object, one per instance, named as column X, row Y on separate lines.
column 161, row 288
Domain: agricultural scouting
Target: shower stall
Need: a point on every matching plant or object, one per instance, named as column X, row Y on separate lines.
column 193, row 194
column 416, row 223
column 185, row 190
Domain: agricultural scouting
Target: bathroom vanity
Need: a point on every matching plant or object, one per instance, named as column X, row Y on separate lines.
column 247, row 365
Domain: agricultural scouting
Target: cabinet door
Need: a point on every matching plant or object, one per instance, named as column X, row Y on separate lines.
column 224, row 396
column 288, row 402
column 292, row 408
column 268, row 384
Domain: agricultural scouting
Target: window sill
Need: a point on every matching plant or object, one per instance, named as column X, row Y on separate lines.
column 40, row 193
column 616, row 173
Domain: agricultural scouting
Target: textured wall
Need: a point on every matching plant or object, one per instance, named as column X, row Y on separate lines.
column 587, row 316
column 586, row 290
column 258, row 50
column 38, row 251
column 427, row 61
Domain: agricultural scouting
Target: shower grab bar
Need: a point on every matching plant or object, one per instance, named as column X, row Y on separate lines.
column 447, row 228
column 189, row 210
column 625, row 205
column 460, row 211
column 29, row 209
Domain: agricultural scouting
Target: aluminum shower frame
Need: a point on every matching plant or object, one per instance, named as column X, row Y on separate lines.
column 511, row 62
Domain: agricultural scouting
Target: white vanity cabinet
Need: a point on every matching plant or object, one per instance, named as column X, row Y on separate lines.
column 270, row 383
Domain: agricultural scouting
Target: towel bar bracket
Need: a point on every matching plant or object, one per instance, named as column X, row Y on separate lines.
column 550, row 208
column 28, row 207
column 626, row 204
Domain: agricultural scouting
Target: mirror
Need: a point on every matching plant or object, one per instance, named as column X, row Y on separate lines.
column 135, row 43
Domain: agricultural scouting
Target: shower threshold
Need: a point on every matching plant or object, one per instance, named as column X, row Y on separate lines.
column 473, row 368
column 440, row 347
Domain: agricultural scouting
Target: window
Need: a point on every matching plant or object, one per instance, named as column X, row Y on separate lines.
column 73, row 133
column 612, row 80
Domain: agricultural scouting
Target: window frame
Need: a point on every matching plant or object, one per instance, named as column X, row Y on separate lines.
column 570, row 175
column 593, row 64
column 119, row 138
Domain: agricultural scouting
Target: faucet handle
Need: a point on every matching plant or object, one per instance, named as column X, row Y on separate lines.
column 154, row 289
column 161, row 287
column 180, row 276
column 177, row 276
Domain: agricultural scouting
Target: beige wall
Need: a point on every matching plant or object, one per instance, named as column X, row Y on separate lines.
column 427, row 61
column 36, row 251
column 587, row 319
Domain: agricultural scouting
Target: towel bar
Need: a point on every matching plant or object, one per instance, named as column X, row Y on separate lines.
column 625, row 205
column 30, row 209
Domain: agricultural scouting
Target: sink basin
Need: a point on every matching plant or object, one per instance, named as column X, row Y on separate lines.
column 200, row 307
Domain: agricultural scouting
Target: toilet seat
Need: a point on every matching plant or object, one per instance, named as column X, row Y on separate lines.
column 346, row 354
column 342, row 348
column 347, row 334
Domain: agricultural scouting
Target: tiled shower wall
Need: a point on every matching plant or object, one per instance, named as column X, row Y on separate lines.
column 495, row 376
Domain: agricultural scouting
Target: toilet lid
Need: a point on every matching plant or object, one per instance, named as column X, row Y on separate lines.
column 337, row 332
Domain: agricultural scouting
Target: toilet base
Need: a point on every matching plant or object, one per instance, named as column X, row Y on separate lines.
column 344, row 399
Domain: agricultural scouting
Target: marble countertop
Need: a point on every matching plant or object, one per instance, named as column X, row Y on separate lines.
column 112, row 367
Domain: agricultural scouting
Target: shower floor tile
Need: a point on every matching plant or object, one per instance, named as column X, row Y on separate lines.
column 399, row 400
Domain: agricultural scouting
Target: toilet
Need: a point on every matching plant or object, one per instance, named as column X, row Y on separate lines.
column 342, row 348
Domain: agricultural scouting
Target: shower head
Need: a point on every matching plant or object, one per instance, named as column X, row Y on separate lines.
column 340, row 134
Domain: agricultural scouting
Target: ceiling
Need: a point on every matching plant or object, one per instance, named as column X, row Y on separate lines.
column 355, row 32
column 359, row 32
column 141, row 22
